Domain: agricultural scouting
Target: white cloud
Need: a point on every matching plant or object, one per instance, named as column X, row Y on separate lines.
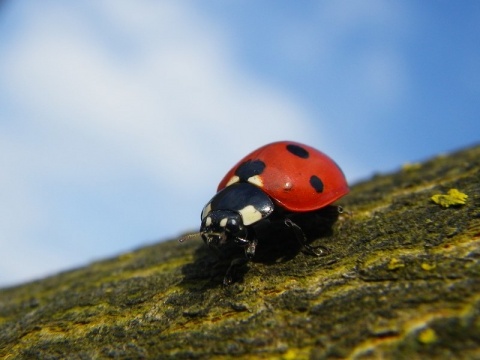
column 353, row 49
column 116, row 90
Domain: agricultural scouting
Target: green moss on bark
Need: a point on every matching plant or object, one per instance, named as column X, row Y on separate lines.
column 401, row 280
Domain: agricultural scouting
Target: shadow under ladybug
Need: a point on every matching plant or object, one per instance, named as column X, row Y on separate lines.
column 278, row 238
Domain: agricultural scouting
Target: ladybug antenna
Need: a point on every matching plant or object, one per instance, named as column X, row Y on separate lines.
column 189, row 236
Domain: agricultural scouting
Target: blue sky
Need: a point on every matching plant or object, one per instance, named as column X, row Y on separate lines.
column 119, row 118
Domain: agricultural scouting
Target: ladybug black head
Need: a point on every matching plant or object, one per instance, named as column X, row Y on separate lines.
column 222, row 226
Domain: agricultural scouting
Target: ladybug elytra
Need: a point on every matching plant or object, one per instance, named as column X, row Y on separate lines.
column 278, row 180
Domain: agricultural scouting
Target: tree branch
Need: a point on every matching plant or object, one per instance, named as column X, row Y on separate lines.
column 401, row 279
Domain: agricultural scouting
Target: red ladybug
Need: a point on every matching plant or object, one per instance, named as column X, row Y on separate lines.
column 278, row 180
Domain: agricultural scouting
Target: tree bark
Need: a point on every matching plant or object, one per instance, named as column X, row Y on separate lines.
column 401, row 279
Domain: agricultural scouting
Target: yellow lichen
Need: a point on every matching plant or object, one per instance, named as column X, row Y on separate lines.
column 453, row 197
column 428, row 267
column 395, row 264
column 427, row 336
column 411, row 166
column 296, row 354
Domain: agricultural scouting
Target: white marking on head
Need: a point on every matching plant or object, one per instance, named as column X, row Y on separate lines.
column 250, row 215
column 232, row 180
column 223, row 222
column 208, row 221
column 206, row 210
column 255, row 180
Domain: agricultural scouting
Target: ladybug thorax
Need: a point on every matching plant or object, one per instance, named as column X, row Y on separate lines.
column 228, row 214
column 220, row 226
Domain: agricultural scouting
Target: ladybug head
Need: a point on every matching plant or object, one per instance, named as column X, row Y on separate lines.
column 222, row 226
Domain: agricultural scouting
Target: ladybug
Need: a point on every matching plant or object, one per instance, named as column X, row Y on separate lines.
column 278, row 180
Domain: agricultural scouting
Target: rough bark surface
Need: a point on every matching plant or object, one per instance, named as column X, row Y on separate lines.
column 401, row 280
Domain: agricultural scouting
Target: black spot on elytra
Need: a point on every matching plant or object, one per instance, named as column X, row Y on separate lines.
column 298, row 151
column 250, row 168
column 316, row 183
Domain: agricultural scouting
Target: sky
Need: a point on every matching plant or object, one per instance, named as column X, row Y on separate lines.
column 119, row 118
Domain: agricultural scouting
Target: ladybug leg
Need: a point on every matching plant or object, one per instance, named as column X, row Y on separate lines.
column 301, row 238
column 250, row 249
column 250, row 246
column 242, row 242
column 232, row 269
